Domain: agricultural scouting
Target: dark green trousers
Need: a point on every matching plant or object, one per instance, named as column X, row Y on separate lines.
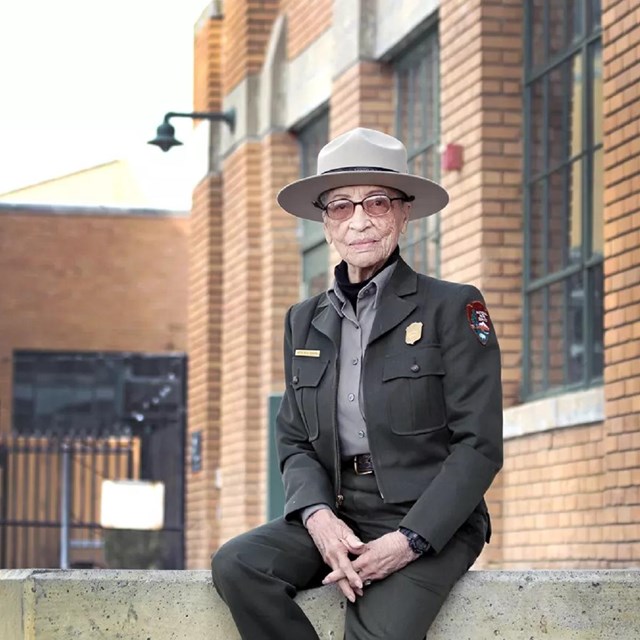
column 258, row 574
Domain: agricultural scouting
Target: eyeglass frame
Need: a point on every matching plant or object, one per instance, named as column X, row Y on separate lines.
column 404, row 198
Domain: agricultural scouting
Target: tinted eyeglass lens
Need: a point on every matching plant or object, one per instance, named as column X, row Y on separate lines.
column 340, row 209
column 377, row 205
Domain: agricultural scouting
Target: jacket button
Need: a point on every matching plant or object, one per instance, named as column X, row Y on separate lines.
column 415, row 368
column 295, row 380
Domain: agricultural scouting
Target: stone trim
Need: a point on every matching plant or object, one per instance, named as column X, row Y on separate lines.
column 89, row 210
column 558, row 412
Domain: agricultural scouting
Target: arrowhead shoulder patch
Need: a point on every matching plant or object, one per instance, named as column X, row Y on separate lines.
column 479, row 321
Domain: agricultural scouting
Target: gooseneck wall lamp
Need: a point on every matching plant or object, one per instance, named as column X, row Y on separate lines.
column 166, row 133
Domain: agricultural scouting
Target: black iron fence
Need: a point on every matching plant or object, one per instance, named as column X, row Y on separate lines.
column 50, row 498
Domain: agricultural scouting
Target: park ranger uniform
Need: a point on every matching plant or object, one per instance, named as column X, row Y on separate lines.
column 428, row 399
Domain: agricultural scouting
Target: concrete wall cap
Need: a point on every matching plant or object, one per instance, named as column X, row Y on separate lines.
column 511, row 605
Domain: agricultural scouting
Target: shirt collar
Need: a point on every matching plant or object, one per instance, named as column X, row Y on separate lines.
column 375, row 287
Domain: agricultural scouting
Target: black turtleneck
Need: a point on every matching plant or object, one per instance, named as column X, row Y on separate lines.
column 352, row 289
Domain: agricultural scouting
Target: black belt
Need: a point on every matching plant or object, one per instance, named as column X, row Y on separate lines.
column 362, row 464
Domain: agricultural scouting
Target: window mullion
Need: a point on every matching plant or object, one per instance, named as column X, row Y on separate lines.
column 587, row 210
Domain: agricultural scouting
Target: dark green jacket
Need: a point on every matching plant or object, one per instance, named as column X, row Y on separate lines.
column 433, row 409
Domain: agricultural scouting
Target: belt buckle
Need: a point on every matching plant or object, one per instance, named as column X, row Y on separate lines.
column 358, row 472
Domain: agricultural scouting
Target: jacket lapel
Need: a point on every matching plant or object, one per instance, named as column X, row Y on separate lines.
column 327, row 322
column 393, row 308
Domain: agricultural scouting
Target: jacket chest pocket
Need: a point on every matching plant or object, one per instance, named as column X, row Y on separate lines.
column 413, row 384
column 307, row 374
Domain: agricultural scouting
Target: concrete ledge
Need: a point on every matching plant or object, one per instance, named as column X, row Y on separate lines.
column 182, row 605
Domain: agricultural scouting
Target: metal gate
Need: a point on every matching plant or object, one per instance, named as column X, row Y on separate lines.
column 53, row 464
column 50, row 498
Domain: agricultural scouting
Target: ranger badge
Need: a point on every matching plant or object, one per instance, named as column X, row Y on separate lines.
column 413, row 333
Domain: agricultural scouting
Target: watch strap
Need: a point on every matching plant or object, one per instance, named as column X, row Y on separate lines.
column 417, row 543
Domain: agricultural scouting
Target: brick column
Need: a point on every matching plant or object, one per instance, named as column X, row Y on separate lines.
column 621, row 74
column 305, row 22
column 280, row 256
column 247, row 26
column 481, row 98
column 242, row 448
column 281, row 277
column 481, row 229
column 205, row 294
column 205, row 306
column 362, row 96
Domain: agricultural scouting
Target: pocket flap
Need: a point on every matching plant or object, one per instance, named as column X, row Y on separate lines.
column 413, row 364
column 307, row 372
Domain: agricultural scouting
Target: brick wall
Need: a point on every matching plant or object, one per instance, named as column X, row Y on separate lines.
column 281, row 275
column 90, row 283
column 362, row 96
column 207, row 78
column 243, row 444
column 247, row 26
column 621, row 73
column 551, row 512
column 205, row 316
column 281, row 270
column 306, row 21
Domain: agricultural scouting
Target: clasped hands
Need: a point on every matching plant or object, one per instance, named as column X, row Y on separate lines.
column 375, row 560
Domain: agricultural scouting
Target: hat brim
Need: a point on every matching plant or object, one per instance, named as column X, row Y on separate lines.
column 297, row 198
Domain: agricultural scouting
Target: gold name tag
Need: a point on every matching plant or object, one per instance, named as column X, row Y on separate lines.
column 307, row 353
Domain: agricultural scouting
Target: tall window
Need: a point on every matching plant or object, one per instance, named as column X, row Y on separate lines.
column 315, row 251
column 563, row 196
column 418, row 126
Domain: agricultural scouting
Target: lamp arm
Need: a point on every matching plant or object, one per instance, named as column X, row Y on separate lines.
column 228, row 116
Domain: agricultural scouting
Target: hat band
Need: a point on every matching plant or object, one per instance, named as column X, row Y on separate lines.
column 343, row 169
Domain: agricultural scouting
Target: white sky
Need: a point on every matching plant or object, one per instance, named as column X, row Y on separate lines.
column 87, row 81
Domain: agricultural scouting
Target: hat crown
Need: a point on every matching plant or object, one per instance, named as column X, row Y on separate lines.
column 363, row 148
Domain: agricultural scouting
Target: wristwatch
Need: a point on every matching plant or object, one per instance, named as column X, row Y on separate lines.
column 417, row 543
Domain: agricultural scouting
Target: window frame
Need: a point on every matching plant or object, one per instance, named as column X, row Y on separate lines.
column 425, row 232
column 56, row 375
column 310, row 236
column 590, row 261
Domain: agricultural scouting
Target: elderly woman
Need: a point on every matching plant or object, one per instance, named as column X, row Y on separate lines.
column 390, row 430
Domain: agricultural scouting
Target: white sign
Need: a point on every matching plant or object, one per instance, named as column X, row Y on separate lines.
column 132, row 504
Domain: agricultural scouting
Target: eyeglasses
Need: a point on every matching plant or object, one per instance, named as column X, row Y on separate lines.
column 374, row 206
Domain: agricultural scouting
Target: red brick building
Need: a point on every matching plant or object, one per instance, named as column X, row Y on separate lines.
column 88, row 297
column 541, row 98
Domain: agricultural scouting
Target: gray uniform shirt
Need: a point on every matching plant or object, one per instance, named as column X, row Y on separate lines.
column 355, row 331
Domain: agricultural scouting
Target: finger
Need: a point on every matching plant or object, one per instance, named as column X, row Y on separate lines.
column 346, row 589
column 334, row 576
column 354, row 544
column 350, row 574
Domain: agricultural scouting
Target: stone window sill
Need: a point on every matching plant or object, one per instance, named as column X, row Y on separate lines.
column 557, row 412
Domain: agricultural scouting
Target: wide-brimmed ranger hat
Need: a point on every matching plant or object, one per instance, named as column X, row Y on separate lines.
column 367, row 157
